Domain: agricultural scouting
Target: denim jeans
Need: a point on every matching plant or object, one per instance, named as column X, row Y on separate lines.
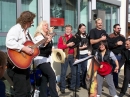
column 81, row 67
column 115, row 75
column 64, row 66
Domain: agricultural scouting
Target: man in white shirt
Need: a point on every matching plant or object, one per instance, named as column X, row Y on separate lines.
column 16, row 37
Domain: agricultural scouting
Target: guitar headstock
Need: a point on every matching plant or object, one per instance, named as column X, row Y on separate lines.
column 51, row 29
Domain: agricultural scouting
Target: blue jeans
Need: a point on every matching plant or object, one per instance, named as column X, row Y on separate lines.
column 64, row 66
column 115, row 75
column 81, row 67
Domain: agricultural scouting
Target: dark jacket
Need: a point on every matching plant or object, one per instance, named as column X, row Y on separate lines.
column 114, row 38
column 106, row 57
column 126, row 56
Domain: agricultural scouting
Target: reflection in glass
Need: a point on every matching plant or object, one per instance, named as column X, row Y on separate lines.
column 31, row 5
column 64, row 11
column 111, row 15
column 107, row 8
column 114, row 15
column 7, row 18
column 84, row 13
column 7, row 14
column 2, row 43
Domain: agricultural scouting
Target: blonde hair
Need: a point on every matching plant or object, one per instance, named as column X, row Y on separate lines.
column 98, row 19
column 40, row 28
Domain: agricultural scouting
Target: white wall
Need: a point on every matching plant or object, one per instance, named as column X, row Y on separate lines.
column 123, row 17
column 129, row 14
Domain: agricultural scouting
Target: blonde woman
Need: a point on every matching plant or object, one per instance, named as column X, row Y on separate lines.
column 43, row 61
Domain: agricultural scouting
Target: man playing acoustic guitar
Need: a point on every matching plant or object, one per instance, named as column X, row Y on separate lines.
column 15, row 39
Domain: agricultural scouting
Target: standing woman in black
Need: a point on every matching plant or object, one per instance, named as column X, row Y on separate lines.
column 43, row 61
column 83, row 52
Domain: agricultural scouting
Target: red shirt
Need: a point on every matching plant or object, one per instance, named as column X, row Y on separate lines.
column 63, row 46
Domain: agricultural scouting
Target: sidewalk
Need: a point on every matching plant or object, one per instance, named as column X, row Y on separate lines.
column 105, row 93
column 84, row 93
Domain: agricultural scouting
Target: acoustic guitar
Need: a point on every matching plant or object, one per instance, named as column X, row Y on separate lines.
column 23, row 60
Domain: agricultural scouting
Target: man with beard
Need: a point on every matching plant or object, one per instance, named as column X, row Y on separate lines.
column 116, row 45
column 96, row 35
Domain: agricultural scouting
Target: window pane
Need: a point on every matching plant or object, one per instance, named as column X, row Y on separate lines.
column 63, row 12
column 111, row 15
column 7, row 14
column 84, row 13
column 129, row 9
column 31, row 5
column 107, row 8
column 2, row 43
column 7, row 19
column 114, row 15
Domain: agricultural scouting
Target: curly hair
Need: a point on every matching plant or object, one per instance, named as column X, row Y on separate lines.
column 25, row 17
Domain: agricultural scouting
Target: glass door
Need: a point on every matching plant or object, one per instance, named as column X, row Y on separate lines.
column 111, row 15
column 84, row 13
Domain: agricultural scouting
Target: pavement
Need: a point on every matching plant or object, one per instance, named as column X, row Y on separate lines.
column 83, row 92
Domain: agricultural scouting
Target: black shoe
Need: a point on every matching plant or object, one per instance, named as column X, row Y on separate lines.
column 117, row 87
column 78, row 88
column 84, row 87
column 121, row 95
column 62, row 91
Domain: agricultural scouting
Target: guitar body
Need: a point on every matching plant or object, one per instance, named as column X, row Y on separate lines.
column 21, row 59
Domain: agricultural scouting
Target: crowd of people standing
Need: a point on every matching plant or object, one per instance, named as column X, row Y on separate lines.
column 113, row 49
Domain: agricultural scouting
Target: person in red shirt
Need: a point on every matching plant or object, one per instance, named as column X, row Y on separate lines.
column 72, row 54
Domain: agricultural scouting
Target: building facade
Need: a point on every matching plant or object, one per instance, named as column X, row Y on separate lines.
column 61, row 12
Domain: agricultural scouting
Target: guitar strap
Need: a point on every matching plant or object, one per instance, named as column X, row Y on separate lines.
column 29, row 37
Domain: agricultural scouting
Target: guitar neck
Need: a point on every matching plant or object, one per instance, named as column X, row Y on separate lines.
column 40, row 42
column 43, row 40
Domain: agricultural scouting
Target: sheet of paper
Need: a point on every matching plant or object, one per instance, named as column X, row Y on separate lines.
column 83, row 59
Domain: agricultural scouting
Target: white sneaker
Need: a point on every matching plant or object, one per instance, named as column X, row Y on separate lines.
column 128, row 85
column 98, row 95
column 115, row 96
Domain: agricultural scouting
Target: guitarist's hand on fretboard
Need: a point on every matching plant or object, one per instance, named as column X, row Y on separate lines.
column 27, row 50
column 49, row 38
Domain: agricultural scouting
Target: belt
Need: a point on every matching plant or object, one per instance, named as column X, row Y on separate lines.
column 70, row 54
